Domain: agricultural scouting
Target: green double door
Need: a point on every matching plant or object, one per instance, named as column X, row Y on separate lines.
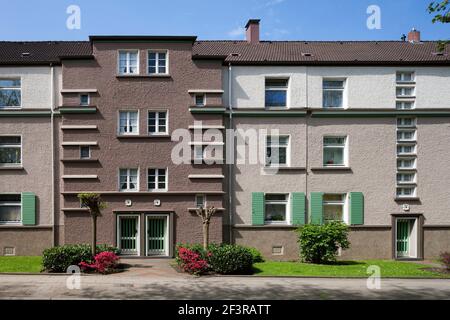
column 155, row 235
column 404, row 229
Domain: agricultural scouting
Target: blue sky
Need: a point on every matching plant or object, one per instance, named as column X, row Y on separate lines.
column 213, row 19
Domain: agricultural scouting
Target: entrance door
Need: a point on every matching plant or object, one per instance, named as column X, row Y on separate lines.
column 157, row 235
column 128, row 234
column 406, row 238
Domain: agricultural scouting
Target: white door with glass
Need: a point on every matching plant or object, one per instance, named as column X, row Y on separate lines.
column 128, row 234
column 157, row 234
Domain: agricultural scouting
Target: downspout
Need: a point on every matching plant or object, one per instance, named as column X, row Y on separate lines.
column 230, row 165
column 52, row 99
column 307, row 137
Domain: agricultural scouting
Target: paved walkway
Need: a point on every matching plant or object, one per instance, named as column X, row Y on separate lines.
column 155, row 279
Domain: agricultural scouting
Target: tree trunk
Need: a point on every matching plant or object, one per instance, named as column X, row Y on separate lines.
column 94, row 235
column 205, row 235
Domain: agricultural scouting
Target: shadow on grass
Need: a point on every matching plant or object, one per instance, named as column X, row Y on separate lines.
column 308, row 266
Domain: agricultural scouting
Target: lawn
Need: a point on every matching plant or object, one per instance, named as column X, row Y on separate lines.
column 21, row 264
column 388, row 269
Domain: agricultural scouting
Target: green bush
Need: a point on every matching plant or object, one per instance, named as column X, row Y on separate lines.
column 320, row 243
column 58, row 259
column 257, row 256
column 230, row 259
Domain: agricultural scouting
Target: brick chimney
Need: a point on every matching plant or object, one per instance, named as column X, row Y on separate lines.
column 414, row 35
column 252, row 31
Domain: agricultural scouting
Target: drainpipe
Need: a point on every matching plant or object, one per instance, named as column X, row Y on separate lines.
column 307, row 135
column 52, row 99
column 230, row 165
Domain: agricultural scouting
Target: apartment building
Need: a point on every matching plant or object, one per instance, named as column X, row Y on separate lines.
column 30, row 75
column 121, row 108
column 362, row 130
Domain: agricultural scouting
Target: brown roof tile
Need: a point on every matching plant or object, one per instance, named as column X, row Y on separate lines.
column 42, row 52
column 322, row 52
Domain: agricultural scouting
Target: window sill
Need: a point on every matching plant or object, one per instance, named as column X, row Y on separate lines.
column 11, row 168
column 331, row 169
column 75, row 160
column 195, row 209
column 407, row 199
column 143, row 76
column 266, row 226
column 143, row 136
column 284, row 168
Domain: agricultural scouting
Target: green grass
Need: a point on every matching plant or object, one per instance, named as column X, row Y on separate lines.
column 388, row 269
column 21, row 264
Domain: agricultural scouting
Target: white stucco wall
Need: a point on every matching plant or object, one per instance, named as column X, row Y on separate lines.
column 366, row 87
column 36, row 85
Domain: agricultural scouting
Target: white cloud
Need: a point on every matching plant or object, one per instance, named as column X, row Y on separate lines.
column 236, row 32
column 273, row 2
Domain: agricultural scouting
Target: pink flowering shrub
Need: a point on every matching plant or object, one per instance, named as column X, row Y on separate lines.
column 104, row 262
column 191, row 261
column 445, row 259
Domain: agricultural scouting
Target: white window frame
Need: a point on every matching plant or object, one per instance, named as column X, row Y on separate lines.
column 401, row 124
column 275, row 88
column 197, row 196
column 403, row 131
column 128, row 51
column 403, row 104
column 344, row 147
column 203, row 97
column 403, row 92
column 157, row 132
column 288, row 150
column 287, row 212
column 402, row 188
column 129, row 180
column 343, row 202
column 13, row 88
column 10, row 146
column 401, row 160
column 157, row 180
column 89, row 156
column 344, row 92
column 128, row 123
column 401, row 145
column 88, row 99
column 406, row 182
column 157, row 52
column 11, row 204
column 402, row 77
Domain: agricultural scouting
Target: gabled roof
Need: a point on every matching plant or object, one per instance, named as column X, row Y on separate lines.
column 42, row 52
column 322, row 52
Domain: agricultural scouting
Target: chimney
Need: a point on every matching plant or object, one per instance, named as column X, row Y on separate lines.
column 252, row 31
column 414, row 36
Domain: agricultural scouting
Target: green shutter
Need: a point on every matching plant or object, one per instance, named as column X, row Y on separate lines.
column 356, row 208
column 258, row 208
column 316, row 206
column 298, row 208
column 28, row 208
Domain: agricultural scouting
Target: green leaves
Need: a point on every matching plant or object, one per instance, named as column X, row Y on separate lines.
column 437, row 7
column 93, row 202
column 320, row 243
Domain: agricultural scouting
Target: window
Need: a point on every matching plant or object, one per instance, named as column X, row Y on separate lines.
column 276, row 206
column 406, row 149
column 405, row 76
column 157, row 62
column 406, row 163
column 406, row 177
column 333, row 207
column 128, row 179
column 276, row 92
column 406, row 122
column 85, row 152
column 128, row 122
column 84, row 99
column 128, row 62
column 10, row 150
column 404, row 105
column 157, row 179
column 406, row 135
column 334, row 153
column 199, row 152
column 406, row 191
column 199, row 100
column 10, row 208
column 405, row 92
column 200, row 201
column 333, row 93
column 277, row 150
column 157, row 122
column 10, row 93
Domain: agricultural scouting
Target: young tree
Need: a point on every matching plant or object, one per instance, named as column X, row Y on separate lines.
column 441, row 12
column 205, row 214
column 94, row 203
